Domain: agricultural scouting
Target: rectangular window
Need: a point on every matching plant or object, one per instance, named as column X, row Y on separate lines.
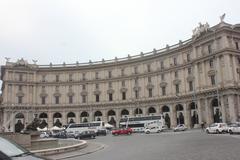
column 83, row 98
column 149, row 79
column 122, row 72
column 20, row 77
column 123, row 95
column 150, row 92
column 43, row 100
column 190, row 86
column 70, row 99
column 96, row 75
column 176, row 74
column 209, row 49
column 97, row 97
column 136, row 81
column 83, row 87
column 162, row 77
column 189, row 70
column 43, row 78
column 162, row 65
column 109, row 74
column 20, row 88
column 70, row 77
column 211, row 63
column 136, row 94
column 149, row 68
column 123, row 83
column 110, row 85
column 237, row 46
column 188, row 57
column 213, row 80
column 163, row 91
column 110, row 96
column 175, row 61
column 20, row 100
column 177, row 88
column 57, row 100
column 84, row 76
column 135, row 70
column 57, row 78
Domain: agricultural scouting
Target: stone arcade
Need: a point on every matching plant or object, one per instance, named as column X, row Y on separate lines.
column 191, row 82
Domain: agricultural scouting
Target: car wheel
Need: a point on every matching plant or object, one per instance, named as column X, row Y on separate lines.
column 158, row 131
column 217, row 131
column 147, row 132
column 230, row 131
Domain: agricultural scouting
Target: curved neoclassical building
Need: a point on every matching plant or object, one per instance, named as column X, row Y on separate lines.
column 194, row 81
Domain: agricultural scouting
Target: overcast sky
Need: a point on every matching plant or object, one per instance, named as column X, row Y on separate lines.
column 60, row 31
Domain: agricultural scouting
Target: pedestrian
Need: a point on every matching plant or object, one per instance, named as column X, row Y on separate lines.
column 202, row 125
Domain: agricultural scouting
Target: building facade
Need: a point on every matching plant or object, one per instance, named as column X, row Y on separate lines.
column 191, row 82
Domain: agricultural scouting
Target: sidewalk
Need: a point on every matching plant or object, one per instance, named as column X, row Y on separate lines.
column 91, row 148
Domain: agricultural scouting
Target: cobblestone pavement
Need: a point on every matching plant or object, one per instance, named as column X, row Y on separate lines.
column 188, row 145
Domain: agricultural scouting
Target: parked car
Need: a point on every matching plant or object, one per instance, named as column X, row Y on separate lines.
column 217, row 128
column 180, row 127
column 61, row 134
column 156, row 129
column 120, row 131
column 9, row 150
column 44, row 135
column 102, row 132
column 86, row 134
column 234, row 128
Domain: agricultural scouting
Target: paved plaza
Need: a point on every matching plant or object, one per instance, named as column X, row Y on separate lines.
column 189, row 145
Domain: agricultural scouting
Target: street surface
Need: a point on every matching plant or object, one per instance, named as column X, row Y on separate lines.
column 188, row 145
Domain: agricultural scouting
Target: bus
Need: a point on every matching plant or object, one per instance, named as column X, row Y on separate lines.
column 138, row 124
column 76, row 128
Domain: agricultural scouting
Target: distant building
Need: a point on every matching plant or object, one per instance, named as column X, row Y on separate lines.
column 194, row 81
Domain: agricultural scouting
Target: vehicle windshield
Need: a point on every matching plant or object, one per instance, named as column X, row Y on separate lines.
column 10, row 148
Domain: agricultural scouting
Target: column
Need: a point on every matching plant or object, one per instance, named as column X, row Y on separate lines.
column 223, row 108
column 118, row 117
column 204, row 75
column 105, row 118
column 208, row 112
column 50, row 119
column 200, row 118
column 64, row 118
column 173, row 116
column 186, row 115
column 232, row 110
column 196, row 80
column 77, row 116
column 218, row 72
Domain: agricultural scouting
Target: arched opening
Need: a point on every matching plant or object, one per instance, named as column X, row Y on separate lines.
column 166, row 112
column 44, row 118
column 71, row 117
column 193, row 114
column 57, row 117
column 138, row 112
column 151, row 111
column 98, row 116
column 180, row 115
column 84, row 117
column 217, row 112
column 124, row 113
column 112, row 117
column 19, row 122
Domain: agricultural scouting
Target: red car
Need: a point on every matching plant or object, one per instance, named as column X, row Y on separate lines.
column 122, row 131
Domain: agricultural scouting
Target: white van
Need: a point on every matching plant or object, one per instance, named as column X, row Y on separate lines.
column 155, row 129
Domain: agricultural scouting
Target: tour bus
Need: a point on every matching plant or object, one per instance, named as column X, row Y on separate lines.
column 76, row 128
column 138, row 124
